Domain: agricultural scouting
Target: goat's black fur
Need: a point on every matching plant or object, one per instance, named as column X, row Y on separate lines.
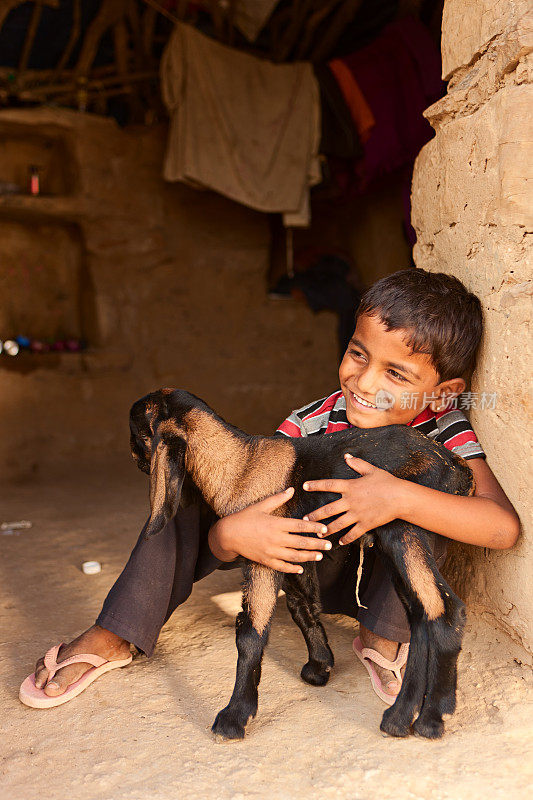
column 170, row 432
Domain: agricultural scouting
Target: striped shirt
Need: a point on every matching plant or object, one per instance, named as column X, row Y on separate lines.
column 450, row 427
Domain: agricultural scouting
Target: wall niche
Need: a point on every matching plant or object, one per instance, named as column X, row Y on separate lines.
column 20, row 150
column 45, row 287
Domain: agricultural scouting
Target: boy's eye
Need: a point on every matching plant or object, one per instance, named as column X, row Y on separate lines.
column 397, row 375
column 357, row 353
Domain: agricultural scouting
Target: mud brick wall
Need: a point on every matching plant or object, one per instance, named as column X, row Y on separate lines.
column 473, row 214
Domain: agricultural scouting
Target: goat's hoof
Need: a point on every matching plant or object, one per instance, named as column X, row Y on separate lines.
column 226, row 728
column 392, row 726
column 315, row 674
column 429, row 728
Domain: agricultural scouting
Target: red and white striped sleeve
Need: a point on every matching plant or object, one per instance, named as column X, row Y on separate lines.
column 456, row 433
column 292, row 426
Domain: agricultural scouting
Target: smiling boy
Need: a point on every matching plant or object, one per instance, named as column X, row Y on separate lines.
column 416, row 337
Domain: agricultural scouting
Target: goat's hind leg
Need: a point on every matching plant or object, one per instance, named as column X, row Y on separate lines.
column 445, row 638
column 303, row 602
column 260, row 591
column 428, row 687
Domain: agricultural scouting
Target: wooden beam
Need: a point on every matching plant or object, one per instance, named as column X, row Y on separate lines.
column 148, row 28
column 110, row 12
column 120, row 41
column 7, row 6
column 75, row 31
column 162, row 10
column 54, row 89
column 30, row 35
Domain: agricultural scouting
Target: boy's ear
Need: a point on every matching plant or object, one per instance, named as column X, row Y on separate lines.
column 446, row 391
column 167, row 472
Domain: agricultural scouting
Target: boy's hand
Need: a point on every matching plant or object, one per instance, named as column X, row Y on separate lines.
column 373, row 499
column 260, row 536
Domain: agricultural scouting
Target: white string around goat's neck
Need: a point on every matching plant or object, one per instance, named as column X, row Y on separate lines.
column 360, row 572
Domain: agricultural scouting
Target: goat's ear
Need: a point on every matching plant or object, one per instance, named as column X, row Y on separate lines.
column 167, row 472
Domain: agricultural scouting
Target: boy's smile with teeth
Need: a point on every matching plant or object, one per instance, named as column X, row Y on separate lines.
column 365, row 403
column 383, row 381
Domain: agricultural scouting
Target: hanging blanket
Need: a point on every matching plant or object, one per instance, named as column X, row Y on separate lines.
column 244, row 127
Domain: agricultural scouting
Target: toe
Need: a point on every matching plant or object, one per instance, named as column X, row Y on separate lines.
column 53, row 689
column 393, row 687
column 64, row 678
column 41, row 674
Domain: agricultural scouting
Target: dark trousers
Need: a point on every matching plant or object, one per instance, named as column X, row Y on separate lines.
column 160, row 573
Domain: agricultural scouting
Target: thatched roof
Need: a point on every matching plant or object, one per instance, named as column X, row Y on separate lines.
column 84, row 54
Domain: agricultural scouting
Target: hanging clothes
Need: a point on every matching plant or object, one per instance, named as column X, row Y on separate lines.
column 324, row 284
column 339, row 137
column 242, row 126
column 360, row 111
column 399, row 76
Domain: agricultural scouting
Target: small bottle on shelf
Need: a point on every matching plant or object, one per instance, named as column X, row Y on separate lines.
column 34, row 183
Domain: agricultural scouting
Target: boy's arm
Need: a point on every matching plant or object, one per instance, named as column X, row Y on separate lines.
column 487, row 519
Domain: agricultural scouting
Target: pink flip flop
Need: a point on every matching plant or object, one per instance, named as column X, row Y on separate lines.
column 30, row 695
column 366, row 656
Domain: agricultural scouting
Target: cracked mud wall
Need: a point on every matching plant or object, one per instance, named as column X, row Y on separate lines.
column 473, row 214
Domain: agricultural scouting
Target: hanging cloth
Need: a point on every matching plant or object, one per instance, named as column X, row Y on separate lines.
column 398, row 76
column 242, row 126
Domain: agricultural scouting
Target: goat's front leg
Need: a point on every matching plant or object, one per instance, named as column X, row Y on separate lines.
column 437, row 617
column 260, row 591
column 303, row 601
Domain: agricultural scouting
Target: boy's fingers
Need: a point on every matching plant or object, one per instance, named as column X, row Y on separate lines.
column 353, row 534
column 284, row 566
column 360, row 466
column 326, row 485
column 299, row 556
column 304, row 526
column 337, row 507
column 343, row 521
column 275, row 500
column 306, row 543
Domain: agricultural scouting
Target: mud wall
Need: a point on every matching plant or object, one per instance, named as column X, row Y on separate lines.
column 472, row 211
column 167, row 285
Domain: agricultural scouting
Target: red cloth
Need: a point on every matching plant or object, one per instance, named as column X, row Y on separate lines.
column 399, row 76
column 355, row 100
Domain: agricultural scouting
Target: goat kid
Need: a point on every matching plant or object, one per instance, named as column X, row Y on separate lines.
column 186, row 448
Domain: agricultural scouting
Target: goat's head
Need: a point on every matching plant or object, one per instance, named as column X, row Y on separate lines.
column 158, row 444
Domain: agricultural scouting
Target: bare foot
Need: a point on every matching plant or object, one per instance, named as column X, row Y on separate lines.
column 96, row 640
column 388, row 649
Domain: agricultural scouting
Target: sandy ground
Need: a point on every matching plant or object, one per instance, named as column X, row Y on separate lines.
column 144, row 732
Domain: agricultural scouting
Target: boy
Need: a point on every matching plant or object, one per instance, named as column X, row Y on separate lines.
column 416, row 336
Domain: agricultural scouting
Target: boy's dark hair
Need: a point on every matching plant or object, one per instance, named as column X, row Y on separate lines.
column 442, row 317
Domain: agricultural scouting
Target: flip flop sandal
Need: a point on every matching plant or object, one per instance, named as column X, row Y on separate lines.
column 366, row 656
column 30, row 695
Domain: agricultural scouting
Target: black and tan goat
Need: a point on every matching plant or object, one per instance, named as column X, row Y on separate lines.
column 178, row 439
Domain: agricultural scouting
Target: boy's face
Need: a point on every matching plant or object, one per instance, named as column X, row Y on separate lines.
column 379, row 368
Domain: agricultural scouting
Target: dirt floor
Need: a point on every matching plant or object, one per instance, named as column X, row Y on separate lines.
column 144, row 732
